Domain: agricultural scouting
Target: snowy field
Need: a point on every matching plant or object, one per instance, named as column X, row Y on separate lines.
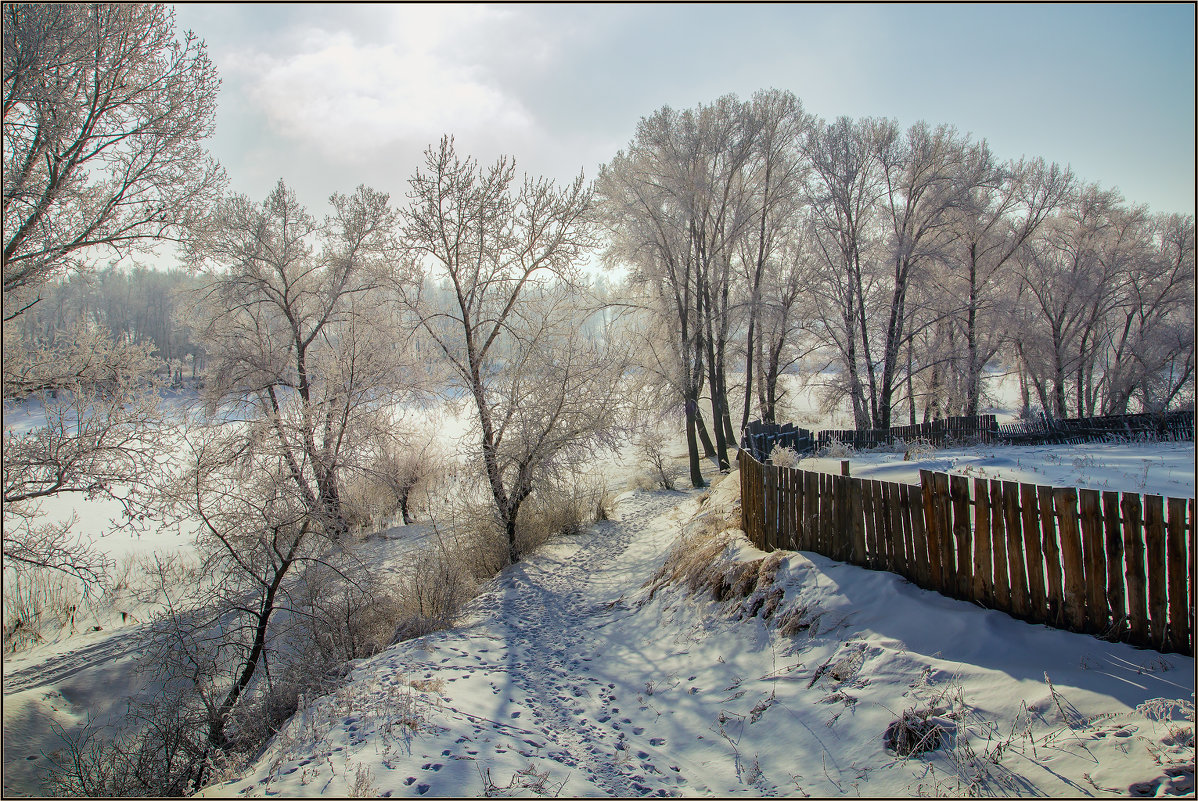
column 565, row 677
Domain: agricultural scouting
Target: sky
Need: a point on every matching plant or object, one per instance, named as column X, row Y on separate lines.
column 330, row 96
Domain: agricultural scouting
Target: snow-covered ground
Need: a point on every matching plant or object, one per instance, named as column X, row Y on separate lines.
column 1161, row 468
column 566, row 677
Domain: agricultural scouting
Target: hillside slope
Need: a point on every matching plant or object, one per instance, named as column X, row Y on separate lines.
column 570, row 676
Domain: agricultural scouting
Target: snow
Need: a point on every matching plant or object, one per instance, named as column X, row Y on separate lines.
column 1160, row 468
column 566, row 677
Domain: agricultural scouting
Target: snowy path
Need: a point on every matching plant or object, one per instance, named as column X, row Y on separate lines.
column 552, row 630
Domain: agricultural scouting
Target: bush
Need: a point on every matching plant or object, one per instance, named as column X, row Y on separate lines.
column 912, row 733
column 918, row 449
column 837, row 450
column 783, row 456
column 652, row 450
column 439, row 585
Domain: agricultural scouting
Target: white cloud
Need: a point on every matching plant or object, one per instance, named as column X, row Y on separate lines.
column 349, row 98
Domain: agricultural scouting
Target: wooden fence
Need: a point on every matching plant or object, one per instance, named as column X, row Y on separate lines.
column 1116, row 565
column 1176, row 425
column 760, row 439
column 937, row 432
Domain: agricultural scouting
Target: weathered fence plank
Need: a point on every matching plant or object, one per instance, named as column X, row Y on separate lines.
column 1179, row 597
column 895, row 527
column 1137, row 581
column 1018, row 574
column 1033, row 553
column 959, row 493
column 927, row 491
column 945, row 512
column 983, row 574
column 1052, row 556
column 998, row 541
column 1071, row 558
column 1154, row 544
column 857, row 522
column 903, row 498
column 1097, row 613
column 882, row 522
column 1115, row 597
column 919, row 534
column 867, row 515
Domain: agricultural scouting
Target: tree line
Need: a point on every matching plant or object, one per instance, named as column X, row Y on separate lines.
column 911, row 261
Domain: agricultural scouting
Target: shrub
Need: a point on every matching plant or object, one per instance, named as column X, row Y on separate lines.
column 664, row 471
column 783, row 456
column 838, row 450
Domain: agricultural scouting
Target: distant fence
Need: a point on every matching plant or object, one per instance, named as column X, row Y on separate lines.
column 938, row 433
column 1120, row 567
column 1177, row 425
column 760, row 438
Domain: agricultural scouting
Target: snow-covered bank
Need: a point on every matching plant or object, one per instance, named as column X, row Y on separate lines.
column 568, row 678
column 1161, row 468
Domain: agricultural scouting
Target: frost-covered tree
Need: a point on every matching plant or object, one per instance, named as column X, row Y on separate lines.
column 547, row 394
column 104, row 111
column 777, row 172
column 677, row 205
column 306, row 359
column 301, row 342
column 1006, row 206
column 844, row 187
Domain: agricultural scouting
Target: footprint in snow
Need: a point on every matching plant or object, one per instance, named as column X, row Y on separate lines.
column 408, row 781
column 421, row 789
column 658, row 741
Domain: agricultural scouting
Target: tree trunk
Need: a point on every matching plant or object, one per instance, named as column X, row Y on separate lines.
column 973, row 378
column 692, row 446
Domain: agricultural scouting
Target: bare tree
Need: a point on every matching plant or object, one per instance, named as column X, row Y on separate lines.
column 307, row 358
column 507, row 323
column 1006, row 205
column 103, row 114
column 844, row 187
column 300, row 340
column 98, row 436
column 678, row 205
column 778, row 172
